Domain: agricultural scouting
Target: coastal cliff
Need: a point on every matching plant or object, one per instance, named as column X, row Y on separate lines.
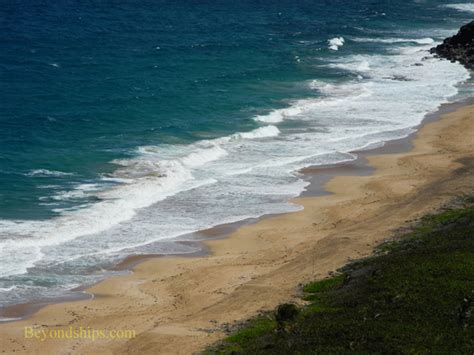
column 459, row 47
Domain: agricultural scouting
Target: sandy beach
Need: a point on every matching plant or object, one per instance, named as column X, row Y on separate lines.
column 179, row 305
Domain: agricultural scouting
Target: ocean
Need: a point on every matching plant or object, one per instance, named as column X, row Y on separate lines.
column 125, row 126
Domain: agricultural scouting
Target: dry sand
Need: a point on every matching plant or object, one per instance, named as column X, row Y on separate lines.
column 178, row 305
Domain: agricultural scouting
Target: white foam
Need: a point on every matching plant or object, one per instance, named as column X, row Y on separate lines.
column 272, row 117
column 80, row 191
column 6, row 319
column 203, row 156
column 46, row 172
column 8, row 289
column 334, row 95
column 118, row 204
column 87, row 187
column 17, row 260
column 426, row 40
column 277, row 116
column 335, row 43
column 350, row 90
column 465, row 7
column 262, row 132
column 356, row 64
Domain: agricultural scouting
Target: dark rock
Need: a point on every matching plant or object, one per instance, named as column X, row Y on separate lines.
column 459, row 47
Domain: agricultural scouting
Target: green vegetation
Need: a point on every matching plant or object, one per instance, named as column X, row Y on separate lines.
column 258, row 326
column 416, row 295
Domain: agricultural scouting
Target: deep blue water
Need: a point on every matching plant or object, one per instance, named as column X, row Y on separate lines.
column 113, row 112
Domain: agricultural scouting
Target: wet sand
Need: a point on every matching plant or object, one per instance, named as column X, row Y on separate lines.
column 180, row 304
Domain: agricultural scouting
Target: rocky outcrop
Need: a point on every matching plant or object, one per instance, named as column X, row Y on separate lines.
column 459, row 47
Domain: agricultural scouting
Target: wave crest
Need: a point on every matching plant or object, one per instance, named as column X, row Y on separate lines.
column 467, row 7
column 335, row 43
column 46, row 172
column 426, row 40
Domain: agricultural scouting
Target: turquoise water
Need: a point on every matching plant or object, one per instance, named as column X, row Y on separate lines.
column 124, row 125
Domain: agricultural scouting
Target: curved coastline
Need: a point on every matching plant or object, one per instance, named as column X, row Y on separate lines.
column 317, row 176
column 242, row 274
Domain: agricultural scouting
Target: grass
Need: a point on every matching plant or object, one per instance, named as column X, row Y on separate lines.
column 255, row 328
column 415, row 296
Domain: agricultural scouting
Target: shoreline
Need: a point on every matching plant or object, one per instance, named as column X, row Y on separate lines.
column 318, row 177
column 187, row 303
